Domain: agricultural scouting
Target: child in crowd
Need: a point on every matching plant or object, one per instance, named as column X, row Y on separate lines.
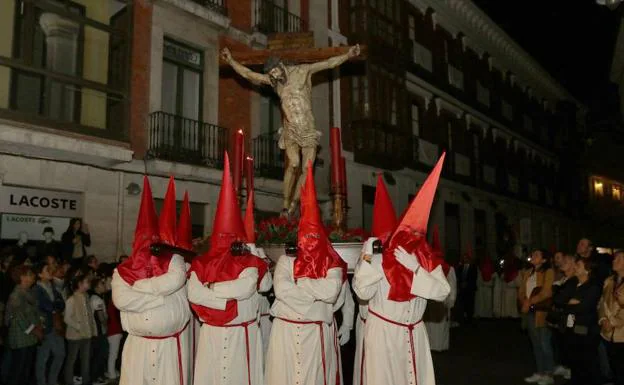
column 100, row 342
column 24, row 324
column 51, row 306
column 81, row 327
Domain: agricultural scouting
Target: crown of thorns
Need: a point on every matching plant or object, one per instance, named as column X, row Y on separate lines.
column 270, row 63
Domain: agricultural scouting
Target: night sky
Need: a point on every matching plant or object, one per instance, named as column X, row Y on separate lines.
column 572, row 39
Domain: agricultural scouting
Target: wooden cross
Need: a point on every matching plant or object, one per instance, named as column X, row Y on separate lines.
column 298, row 56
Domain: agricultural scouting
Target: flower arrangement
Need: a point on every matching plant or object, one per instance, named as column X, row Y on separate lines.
column 278, row 230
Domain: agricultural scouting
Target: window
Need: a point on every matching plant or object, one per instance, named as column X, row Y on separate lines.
column 507, row 110
column 528, row 123
column 422, row 56
column 483, row 94
column 598, row 188
column 415, row 120
column 616, row 192
column 456, row 77
column 393, row 107
column 181, row 95
column 68, row 63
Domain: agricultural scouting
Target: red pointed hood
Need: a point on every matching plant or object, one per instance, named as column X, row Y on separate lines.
column 487, row 269
column 185, row 226
column 384, row 216
column 250, row 225
column 315, row 254
column 142, row 264
column 218, row 264
column 167, row 218
column 411, row 235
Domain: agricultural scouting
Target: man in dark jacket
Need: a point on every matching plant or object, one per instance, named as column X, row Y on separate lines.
column 466, row 273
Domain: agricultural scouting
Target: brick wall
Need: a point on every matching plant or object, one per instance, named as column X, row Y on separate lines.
column 140, row 72
column 234, row 96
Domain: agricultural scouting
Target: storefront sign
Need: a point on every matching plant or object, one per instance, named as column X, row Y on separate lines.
column 14, row 224
column 19, row 200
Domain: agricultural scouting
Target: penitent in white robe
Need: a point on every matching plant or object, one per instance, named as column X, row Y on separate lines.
column 154, row 307
column 346, row 305
column 438, row 317
column 509, row 308
column 222, row 351
column 264, row 309
column 390, row 357
column 484, row 300
column 360, row 323
column 301, row 351
column 497, row 296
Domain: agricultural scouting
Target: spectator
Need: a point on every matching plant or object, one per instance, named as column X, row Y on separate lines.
column 601, row 262
column 75, row 241
column 466, row 288
column 581, row 321
column 59, row 279
column 49, row 246
column 80, row 327
column 100, row 342
column 51, row 306
column 534, row 295
column 557, row 265
column 563, row 289
column 91, row 262
column 25, row 329
column 115, row 334
column 612, row 318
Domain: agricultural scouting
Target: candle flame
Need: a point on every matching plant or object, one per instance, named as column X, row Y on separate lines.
column 249, row 158
column 240, row 131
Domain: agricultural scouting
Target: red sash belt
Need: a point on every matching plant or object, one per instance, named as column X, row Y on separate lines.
column 409, row 327
column 320, row 325
column 244, row 325
column 177, row 338
column 363, row 350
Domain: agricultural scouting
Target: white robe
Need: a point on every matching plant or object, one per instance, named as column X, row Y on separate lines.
column 264, row 309
column 388, row 352
column 346, row 305
column 222, row 351
column 360, row 323
column 438, row 317
column 510, row 297
column 295, row 355
column 154, row 307
column 483, row 300
column 497, row 296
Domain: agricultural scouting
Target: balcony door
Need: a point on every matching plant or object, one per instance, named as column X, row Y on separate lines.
column 180, row 127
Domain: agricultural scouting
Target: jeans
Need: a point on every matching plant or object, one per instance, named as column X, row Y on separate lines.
column 113, row 353
column 75, row 347
column 99, row 356
column 541, row 340
column 21, row 365
column 52, row 344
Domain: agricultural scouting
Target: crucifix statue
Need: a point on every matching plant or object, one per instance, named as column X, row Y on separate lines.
column 298, row 135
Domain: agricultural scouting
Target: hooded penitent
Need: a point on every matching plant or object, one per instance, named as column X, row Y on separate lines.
column 384, row 216
column 315, row 254
column 411, row 235
column 436, row 246
column 142, row 264
column 167, row 219
column 185, row 227
column 487, row 269
column 218, row 264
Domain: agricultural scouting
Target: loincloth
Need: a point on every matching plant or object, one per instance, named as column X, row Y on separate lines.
column 302, row 138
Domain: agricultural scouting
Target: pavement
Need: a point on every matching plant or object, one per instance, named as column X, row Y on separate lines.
column 487, row 352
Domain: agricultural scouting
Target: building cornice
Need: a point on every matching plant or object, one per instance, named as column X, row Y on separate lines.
column 465, row 16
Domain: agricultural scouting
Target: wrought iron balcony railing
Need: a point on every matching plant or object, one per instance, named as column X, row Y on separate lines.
column 179, row 139
column 271, row 18
column 379, row 144
column 219, row 6
column 268, row 157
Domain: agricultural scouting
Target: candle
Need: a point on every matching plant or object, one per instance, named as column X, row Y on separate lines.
column 336, row 154
column 237, row 161
column 249, row 173
column 343, row 176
